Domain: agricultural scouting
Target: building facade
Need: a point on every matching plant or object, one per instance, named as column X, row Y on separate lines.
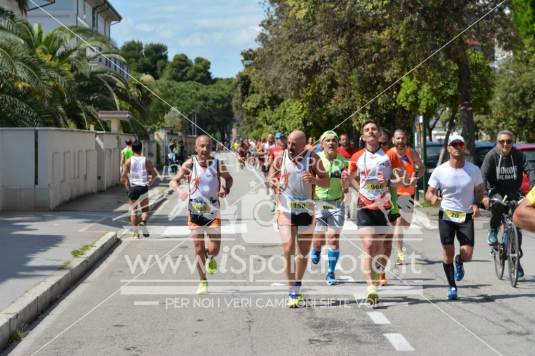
column 99, row 15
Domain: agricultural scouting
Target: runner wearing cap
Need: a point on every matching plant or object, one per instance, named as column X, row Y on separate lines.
column 346, row 150
column 330, row 204
column 293, row 176
column 462, row 190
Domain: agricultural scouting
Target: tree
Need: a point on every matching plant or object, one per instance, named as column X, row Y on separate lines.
column 200, row 71
column 155, row 59
column 524, row 18
column 178, row 69
column 132, row 52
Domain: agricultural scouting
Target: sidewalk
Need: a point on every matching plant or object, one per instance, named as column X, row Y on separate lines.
column 33, row 245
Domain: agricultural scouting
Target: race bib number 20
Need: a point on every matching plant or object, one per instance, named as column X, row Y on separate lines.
column 454, row 216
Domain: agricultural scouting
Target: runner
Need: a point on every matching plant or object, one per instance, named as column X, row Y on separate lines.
column 524, row 216
column 204, row 174
column 462, row 190
column 294, row 173
column 385, row 248
column 126, row 152
column 264, row 157
column 275, row 151
column 503, row 169
column 137, row 176
column 346, row 150
column 330, row 205
column 411, row 170
column 370, row 175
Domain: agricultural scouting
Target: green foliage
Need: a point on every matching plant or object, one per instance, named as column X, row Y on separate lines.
column 524, row 18
column 182, row 69
column 146, row 59
column 513, row 104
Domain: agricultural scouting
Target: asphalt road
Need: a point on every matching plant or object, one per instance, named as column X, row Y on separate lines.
column 150, row 308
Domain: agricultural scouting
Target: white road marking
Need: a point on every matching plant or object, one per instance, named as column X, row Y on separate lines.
column 176, row 231
column 378, row 318
column 399, row 342
column 147, row 303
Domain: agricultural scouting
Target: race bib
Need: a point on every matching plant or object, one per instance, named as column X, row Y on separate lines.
column 375, row 187
column 298, row 204
column 455, row 216
column 200, row 207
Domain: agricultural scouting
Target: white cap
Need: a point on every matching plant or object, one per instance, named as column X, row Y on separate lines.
column 455, row 137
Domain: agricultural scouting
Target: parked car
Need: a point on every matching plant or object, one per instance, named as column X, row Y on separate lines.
column 529, row 151
column 482, row 148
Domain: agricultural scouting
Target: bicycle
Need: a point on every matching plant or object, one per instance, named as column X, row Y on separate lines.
column 507, row 247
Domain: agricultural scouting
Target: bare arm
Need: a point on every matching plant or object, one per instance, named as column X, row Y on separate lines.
column 223, row 173
column 431, row 195
column 321, row 177
column 419, row 163
column 524, row 216
column 273, row 175
column 185, row 171
column 152, row 171
column 354, row 180
column 125, row 173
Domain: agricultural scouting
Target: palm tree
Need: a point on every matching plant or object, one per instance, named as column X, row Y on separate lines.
column 73, row 89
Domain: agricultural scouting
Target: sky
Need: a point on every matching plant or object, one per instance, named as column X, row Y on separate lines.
column 217, row 30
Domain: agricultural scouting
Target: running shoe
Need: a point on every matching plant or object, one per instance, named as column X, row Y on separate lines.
column 520, row 271
column 459, row 268
column 293, row 300
column 315, row 256
column 211, row 265
column 452, row 293
column 376, row 276
column 382, row 279
column 330, row 279
column 402, row 257
column 144, row 229
column 135, row 234
column 203, row 287
column 373, row 297
column 492, row 238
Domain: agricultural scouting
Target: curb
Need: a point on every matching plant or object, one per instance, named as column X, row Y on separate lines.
column 36, row 300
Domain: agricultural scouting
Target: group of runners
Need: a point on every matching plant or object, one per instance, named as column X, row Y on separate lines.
column 311, row 187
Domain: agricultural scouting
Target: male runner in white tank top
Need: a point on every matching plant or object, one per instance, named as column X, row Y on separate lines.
column 293, row 175
column 136, row 179
column 204, row 174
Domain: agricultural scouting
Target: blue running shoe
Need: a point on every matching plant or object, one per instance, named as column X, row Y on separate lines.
column 459, row 268
column 330, row 279
column 452, row 293
column 315, row 256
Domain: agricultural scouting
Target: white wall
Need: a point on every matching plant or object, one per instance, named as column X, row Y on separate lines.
column 71, row 163
column 17, row 168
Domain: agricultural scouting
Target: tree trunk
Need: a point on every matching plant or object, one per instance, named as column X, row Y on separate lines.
column 468, row 126
column 451, row 125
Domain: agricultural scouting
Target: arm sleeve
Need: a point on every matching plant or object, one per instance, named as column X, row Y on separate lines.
column 433, row 180
column 487, row 171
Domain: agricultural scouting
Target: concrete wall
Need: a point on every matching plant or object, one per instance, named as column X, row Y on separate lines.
column 66, row 164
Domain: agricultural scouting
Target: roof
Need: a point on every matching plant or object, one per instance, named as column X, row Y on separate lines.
column 105, row 8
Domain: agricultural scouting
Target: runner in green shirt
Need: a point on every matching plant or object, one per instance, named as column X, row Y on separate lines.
column 330, row 212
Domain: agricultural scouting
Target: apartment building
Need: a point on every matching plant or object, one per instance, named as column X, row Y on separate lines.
column 99, row 15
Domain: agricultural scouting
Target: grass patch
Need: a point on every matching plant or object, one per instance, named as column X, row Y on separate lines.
column 81, row 251
column 66, row 265
column 16, row 335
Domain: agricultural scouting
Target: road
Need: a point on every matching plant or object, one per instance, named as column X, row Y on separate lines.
column 152, row 310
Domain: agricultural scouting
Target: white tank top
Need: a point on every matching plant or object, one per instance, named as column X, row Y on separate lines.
column 204, row 189
column 138, row 171
column 296, row 195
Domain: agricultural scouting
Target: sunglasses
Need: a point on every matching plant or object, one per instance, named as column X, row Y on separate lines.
column 503, row 142
column 457, row 144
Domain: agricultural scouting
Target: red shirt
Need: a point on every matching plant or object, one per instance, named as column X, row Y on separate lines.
column 275, row 151
column 346, row 153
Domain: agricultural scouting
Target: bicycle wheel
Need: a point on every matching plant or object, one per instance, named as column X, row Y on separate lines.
column 513, row 255
column 499, row 260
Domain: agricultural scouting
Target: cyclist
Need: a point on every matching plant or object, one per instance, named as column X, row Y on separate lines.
column 503, row 169
column 462, row 189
